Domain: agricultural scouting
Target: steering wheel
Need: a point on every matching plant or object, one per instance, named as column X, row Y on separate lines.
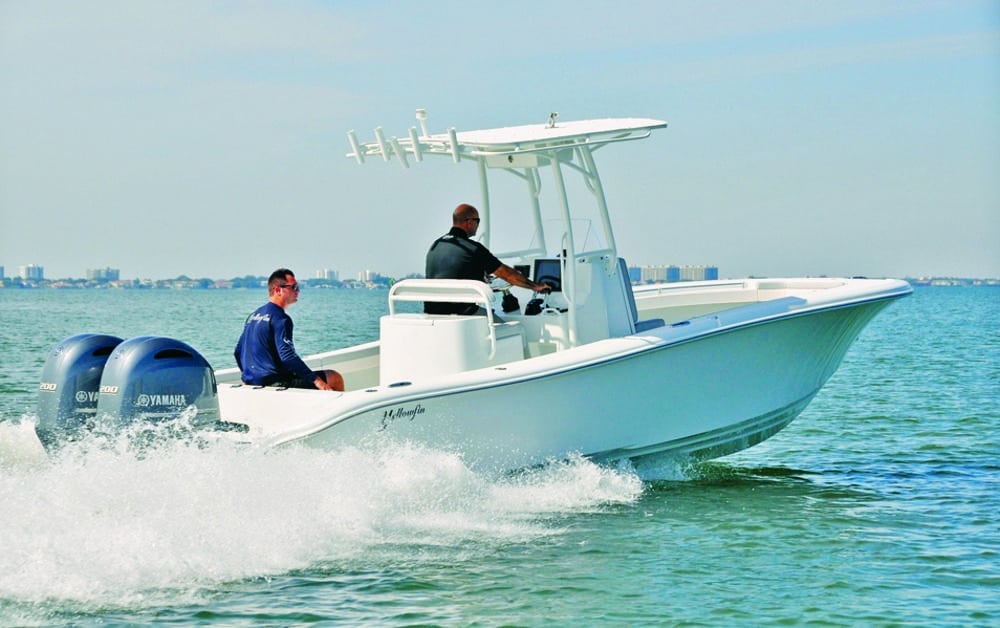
column 551, row 280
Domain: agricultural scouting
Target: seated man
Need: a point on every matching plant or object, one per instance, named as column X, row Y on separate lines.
column 456, row 256
column 265, row 353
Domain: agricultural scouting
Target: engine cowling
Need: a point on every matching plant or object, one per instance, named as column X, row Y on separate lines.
column 91, row 379
column 154, row 379
column 71, row 378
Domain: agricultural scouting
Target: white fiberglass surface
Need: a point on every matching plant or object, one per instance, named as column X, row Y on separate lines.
column 561, row 130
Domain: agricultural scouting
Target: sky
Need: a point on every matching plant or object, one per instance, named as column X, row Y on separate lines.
column 208, row 139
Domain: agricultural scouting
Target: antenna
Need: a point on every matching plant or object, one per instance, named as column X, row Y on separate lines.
column 422, row 117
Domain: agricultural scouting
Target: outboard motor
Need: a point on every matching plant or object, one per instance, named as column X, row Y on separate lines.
column 68, row 392
column 154, row 379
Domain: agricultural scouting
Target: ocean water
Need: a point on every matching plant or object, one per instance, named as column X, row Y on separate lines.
column 877, row 507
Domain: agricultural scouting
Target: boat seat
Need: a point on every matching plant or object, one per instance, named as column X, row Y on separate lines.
column 418, row 346
column 639, row 326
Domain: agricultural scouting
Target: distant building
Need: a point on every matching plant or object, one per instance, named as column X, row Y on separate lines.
column 102, row 274
column 699, row 273
column 328, row 274
column 372, row 278
column 31, row 272
column 671, row 274
column 1, row 273
column 657, row 274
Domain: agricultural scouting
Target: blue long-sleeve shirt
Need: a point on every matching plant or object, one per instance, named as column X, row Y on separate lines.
column 265, row 352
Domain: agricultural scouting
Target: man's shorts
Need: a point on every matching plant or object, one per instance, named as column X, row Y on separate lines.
column 295, row 382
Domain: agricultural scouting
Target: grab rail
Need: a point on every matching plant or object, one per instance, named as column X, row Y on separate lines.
column 447, row 291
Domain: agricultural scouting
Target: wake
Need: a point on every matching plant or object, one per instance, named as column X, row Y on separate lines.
column 113, row 519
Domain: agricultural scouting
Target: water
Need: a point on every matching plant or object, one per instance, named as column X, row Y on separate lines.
column 878, row 506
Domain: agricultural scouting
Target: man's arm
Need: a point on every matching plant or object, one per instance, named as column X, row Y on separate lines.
column 515, row 278
column 290, row 359
column 237, row 351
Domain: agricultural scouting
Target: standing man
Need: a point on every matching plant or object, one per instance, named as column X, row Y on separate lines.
column 456, row 256
column 265, row 353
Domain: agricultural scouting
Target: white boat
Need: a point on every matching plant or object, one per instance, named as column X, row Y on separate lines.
column 689, row 370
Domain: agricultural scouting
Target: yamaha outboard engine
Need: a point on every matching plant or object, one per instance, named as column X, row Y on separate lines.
column 154, row 379
column 68, row 392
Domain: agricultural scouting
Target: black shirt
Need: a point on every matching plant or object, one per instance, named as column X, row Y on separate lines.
column 456, row 256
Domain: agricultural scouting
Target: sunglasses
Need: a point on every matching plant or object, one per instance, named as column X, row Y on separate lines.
column 292, row 286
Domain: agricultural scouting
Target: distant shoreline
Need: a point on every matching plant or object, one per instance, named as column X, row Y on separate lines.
column 259, row 283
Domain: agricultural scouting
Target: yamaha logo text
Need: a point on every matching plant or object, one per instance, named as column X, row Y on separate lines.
column 145, row 401
column 86, row 396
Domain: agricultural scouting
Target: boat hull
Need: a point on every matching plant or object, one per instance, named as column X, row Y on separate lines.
column 700, row 389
